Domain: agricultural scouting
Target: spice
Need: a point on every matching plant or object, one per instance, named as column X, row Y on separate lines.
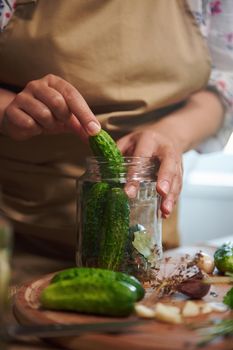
column 177, row 276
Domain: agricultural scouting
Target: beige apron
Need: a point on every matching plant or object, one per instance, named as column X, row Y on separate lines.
column 129, row 59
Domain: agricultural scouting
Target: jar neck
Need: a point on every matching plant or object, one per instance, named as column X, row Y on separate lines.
column 132, row 168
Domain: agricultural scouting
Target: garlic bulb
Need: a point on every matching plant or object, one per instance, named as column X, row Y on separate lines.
column 205, row 262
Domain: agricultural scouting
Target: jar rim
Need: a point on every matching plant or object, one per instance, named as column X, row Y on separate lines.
column 126, row 158
column 135, row 162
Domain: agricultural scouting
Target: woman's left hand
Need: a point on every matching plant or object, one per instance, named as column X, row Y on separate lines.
column 152, row 143
column 173, row 135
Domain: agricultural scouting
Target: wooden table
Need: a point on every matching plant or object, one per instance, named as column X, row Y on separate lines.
column 30, row 266
column 26, row 265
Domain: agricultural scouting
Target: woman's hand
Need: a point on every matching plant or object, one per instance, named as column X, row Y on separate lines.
column 47, row 106
column 171, row 136
column 152, row 143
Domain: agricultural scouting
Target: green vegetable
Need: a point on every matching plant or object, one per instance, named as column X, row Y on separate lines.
column 104, row 146
column 228, row 298
column 115, row 226
column 223, row 258
column 115, row 230
column 133, row 281
column 92, row 294
column 92, row 220
column 86, row 273
column 213, row 330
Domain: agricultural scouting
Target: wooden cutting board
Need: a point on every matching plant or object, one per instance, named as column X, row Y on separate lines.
column 147, row 336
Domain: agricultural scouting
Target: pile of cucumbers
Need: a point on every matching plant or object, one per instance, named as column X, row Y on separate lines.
column 105, row 209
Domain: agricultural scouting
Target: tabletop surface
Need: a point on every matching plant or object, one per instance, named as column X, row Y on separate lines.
column 25, row 267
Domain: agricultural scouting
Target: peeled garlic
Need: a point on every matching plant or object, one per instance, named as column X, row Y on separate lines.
column 144, row 311
column 167, row 313
column 190, row 309
column 206, row 308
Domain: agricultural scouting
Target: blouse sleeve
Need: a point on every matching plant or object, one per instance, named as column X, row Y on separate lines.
column 220, row 43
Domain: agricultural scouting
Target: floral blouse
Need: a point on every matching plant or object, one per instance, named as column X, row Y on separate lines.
column 215, row 20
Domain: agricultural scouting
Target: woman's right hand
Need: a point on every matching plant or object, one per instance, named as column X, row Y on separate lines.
column 48, row 106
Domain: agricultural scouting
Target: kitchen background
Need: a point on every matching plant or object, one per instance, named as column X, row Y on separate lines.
column 206, row 202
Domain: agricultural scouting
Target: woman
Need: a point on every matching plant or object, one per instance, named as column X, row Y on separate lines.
column 138, row 69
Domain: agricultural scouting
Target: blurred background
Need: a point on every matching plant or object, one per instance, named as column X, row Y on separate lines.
column 206, row 202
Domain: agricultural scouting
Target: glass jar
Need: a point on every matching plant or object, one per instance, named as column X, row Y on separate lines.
column 114, row 230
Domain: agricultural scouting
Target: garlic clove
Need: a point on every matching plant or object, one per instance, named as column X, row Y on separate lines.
column 206, row 308
column 167, row 313
column 190, row 309
column 144, row 311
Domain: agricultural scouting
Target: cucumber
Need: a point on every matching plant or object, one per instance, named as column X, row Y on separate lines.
column 115, row 230
column 92, row 295
column 92, row 217
column 223, row 258
column 133, row 281
column 115, row 227
column 102, row 145
column 88, row 272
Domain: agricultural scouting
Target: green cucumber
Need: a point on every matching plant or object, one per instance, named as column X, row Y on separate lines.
column 92, row 295
column 223, row 258
column 89, row 272
column 115, row 229
column 102, row 145
column 133, row 281
column 92, row 217
column 115, row 226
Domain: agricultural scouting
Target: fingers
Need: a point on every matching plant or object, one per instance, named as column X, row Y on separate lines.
column 145, row 146
column 126, row 146
column 170, row 200
column 19, row 125
column 169, row 182
column 36, row 109
column 124, row 143
column 167, row 172
column 76, row 104
column 138, row 144
column 169, row 179
column 135, row 146
column 52, row 105
column 75, row 126
column 51, row 98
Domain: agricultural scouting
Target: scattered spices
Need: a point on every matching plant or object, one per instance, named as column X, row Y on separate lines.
column 213, row 294
column 182, row 276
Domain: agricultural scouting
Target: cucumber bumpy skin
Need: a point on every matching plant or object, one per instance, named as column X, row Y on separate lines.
column 223, row 258
column 102, row 145
column 115, row 230
column 92, row 220
column 94, row 295
column 90, row 272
